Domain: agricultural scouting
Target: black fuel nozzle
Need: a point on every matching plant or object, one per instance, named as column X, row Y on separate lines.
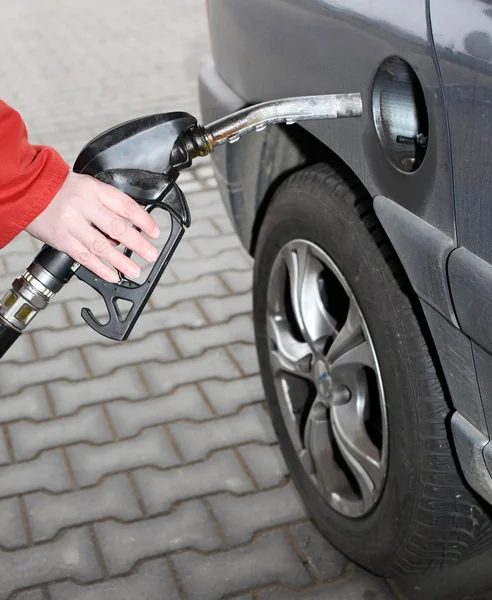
column 143, row 158
column 153, row 191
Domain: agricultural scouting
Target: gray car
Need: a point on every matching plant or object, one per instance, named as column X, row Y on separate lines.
column 372, row 240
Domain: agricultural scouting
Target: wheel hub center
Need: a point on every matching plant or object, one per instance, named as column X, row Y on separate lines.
column 322, row 378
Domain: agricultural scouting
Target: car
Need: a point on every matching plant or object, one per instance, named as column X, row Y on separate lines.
column 373, row 267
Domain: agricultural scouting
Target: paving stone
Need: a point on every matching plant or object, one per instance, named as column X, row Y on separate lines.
column 361, row 587
column 4, row 452
column 214, row 246
column 90, row 463
column 189, row 526
column 88, row 425
column 53, row 317
column 30, row 403
column 185, row 250
column 210, row 211
column 224, row 224
column 186, row 176
column 188, row 270
column 202, row 199
column 219, row 310
column 191, row 187
column 12, row 529
column 196, row 440
column 268, row 560
column 156, row 345
column 211, row 182
column 239, row 281
column 14, row 377
column 221, row 472
column 208, row 285
column 49, row 514
column 51, row 342
column 152, row 581
column 242, row 517
column 211, row 364
column 245, row 355
column 203, row 228
column 192, row 342
column 205, row 173
column 181, row 314
column 47, row 472
column 71, row 555
column 36, row 594
column 70, row 396
column 228, row 396
column 322, row 557
column 186, row 402
column 265, row 463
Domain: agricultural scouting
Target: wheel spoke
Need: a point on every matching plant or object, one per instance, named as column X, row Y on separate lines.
column 288, row 354
column 312, row 319
column 318, row 451
column 349, row 334
column 360, row 355
column 359, row 452
column 350, row 347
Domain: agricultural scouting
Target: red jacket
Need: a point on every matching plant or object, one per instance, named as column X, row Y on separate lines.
column 30, row 176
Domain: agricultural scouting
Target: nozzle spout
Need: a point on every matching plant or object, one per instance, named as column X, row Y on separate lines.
column 289, row 111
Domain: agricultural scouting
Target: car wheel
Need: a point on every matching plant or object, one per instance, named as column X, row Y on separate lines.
column 351, row 386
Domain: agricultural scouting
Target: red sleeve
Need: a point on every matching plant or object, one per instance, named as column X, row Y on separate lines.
column 30, row 176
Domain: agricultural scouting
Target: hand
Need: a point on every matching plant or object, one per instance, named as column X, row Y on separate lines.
column 84, row 205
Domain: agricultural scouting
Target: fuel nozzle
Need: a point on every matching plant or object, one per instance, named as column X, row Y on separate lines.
column 202, row 140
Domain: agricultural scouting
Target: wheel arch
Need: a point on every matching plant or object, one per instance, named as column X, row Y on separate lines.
column 291, row 149
column 285, row 150
column 422, row 250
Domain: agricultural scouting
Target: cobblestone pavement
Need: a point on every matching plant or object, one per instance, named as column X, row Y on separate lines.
column 146, row 469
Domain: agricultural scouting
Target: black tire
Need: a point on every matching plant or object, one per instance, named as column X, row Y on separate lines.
column 426, row 517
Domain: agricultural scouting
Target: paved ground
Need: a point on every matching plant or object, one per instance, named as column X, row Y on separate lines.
column 145, row 469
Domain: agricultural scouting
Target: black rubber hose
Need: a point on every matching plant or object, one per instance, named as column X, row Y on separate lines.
column 7, row 337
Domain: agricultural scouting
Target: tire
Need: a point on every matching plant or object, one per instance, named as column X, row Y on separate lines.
column 425, row 517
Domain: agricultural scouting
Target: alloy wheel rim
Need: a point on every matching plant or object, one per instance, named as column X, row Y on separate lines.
column 327, row 378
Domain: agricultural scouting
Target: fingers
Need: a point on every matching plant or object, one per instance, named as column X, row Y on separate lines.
column 124, row 206
column 100, row 247
column 118, row 229
column 87, row 218
column 83, row 256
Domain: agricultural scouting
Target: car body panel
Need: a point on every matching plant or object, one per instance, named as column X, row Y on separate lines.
column 263, row 53
column 464, row 51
